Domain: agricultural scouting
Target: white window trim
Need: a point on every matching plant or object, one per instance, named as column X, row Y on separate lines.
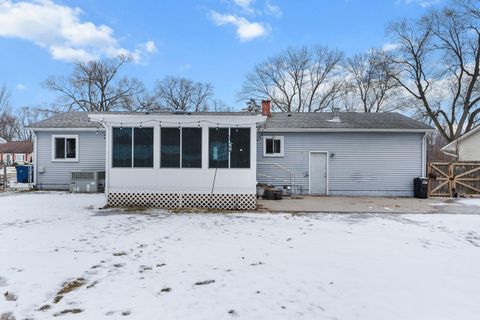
column 19, row 157
column 66, row 136
column 273, row 155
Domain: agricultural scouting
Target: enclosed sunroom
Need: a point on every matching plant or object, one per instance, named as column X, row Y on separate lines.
column 179, row 160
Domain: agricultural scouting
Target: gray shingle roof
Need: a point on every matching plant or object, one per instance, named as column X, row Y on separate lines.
column 313, row 120
column 66, row 120
column 348, row 120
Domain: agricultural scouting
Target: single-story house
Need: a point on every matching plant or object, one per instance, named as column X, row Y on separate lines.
column 19, row 152
column 211, row 159
column 466, row 147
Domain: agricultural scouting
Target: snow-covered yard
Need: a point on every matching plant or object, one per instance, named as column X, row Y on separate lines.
column 61, row 256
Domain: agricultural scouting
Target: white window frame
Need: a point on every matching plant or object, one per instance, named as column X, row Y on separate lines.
column 273, row 155
column 19, row 157
column 66, row 136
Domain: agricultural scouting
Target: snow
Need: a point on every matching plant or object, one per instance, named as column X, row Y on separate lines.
column 470, row 202
column 264, row 266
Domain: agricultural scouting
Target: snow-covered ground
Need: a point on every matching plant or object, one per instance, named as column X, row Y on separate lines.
column 154, row 265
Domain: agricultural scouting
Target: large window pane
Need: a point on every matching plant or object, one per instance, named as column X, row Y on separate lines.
column 71, row 148
column 122, row 147
column 170, row 148
column 269, row 146
column 191, row 148
column 143, row 148
column 59, row 148
column 218, row 148
column 240, row 155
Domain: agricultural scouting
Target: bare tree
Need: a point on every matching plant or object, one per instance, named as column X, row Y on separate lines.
column 297, row 80
column 370, row 84
column 26, row 116
column 8, row 122
column 174, row 93
column 438, row 63
column 97, row 86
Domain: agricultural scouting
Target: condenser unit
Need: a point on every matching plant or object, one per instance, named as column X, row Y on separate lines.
column 87, row 181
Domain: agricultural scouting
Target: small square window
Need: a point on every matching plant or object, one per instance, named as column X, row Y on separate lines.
column 65, row 148
column 273, row 146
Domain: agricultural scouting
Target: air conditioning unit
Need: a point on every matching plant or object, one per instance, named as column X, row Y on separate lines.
column 87, row 181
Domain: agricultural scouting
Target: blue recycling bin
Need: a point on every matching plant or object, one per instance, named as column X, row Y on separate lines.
column 24, row 174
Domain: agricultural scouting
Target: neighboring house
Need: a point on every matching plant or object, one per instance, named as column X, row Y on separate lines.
column 65, row 143
column 16, row 152
column 466, row 147
column 209, row 159
column 374, row 154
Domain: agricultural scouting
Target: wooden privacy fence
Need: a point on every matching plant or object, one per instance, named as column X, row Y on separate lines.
column 454, row 179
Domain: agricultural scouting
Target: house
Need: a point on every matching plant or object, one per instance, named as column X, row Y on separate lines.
column 16, row 152
column 466, row 147
column 342, row 153
column 212, row 159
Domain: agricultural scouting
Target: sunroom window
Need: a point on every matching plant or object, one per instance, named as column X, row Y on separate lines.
column 181, row 148
column 132, row 147
column 229, row 148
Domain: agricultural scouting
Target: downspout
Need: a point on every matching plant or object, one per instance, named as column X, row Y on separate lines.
column 35, row 154
column 424, row 155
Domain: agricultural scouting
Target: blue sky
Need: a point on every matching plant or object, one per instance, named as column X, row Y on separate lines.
column 216, row 41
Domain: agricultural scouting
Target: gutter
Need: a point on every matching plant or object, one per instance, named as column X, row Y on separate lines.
column 345, row 130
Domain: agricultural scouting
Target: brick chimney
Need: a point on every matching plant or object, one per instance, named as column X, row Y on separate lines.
column 266, row 108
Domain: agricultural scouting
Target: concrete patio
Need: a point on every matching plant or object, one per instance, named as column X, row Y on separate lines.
column 346, row 204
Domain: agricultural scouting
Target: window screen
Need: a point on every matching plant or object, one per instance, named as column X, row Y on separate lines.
column 191, row 148
column 240, row 155
column 170, row 148
column 218, row 148
column 143, row 148
column 59, row 148
column 273, row 146
column 121, row 147
column 71, row 148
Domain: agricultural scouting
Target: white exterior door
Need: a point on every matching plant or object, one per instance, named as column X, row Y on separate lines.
column 318, row 173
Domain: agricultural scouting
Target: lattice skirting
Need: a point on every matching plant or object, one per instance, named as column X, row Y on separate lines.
column 183, row 200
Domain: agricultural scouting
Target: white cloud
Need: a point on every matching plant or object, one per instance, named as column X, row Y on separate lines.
column 61, row 31
column 421, row 3
column 245, row 4
column 390, row 46
column 20, row 87
column 273, row 10
column 246, row 30
column 150, row 47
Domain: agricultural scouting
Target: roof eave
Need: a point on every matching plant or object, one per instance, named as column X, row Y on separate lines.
column 345, row 130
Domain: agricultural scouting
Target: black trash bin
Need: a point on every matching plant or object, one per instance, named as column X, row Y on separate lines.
column 420, row 188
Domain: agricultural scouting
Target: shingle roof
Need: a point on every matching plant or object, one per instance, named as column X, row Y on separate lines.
column 81, row 120
column 348, row 120
column 66, row 120
column 16, row 147
column 305, row 120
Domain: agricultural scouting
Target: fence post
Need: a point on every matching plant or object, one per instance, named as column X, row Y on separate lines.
column 451, row 182
column 4, row 177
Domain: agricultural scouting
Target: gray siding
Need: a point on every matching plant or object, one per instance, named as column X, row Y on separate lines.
column 56, row 174
column 362, row 164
